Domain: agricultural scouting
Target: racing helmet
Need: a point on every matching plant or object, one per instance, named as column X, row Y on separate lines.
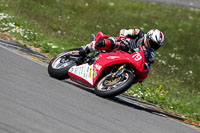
column 154, row 39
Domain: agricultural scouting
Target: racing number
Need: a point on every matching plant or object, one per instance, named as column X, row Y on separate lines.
column 137, row 56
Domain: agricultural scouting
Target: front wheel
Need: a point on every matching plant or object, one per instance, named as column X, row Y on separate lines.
column 59, row 66
column 110, row 87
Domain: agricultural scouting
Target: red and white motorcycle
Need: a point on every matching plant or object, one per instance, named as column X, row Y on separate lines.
column 109, row 73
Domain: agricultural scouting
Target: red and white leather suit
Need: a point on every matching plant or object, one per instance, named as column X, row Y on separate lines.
column 104, row 42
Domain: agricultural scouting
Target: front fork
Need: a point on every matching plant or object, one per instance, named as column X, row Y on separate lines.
column 119, row 71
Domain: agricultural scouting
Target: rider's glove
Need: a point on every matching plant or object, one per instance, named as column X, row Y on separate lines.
column 124, row 42
column 124, row 45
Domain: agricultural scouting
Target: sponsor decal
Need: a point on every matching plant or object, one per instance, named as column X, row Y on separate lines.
column 97, row 66
column 84, row 71
column 95, row 73
column 112, row 57
column 137, row 56
column 90, row 72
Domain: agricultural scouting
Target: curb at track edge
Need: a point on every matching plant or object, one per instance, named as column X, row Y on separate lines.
column 35, row 56
column 20, row 49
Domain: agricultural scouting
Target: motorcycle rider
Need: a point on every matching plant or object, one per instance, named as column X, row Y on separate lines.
column 128, row 41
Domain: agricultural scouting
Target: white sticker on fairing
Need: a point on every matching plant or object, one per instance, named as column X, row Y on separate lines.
column 112, row 57
column 84, row 71
column 137, row 56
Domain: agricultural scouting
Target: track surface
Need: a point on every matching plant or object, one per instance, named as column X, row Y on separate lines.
column 32, row 102
column 186, row 3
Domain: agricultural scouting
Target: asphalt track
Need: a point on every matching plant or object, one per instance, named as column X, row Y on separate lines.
column 185, row 3
column 32, row 102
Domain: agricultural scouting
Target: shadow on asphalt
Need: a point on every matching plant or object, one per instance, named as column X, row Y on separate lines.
column 119, row 100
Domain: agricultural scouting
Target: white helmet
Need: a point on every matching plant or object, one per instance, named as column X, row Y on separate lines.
column 154, row 39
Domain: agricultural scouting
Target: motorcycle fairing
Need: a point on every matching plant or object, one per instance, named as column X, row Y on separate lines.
column 82, row 74
column 136, row 61
column 88, row 74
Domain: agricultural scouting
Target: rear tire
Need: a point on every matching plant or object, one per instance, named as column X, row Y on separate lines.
column 59, row 66
column 123, row 83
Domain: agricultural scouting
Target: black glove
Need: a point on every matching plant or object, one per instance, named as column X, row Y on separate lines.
column 125, row 42
column 125, row 45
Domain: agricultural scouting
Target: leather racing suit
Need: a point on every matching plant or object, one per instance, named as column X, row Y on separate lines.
column 128, row 41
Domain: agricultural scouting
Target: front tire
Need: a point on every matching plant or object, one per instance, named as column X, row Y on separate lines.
column 110, row 88
column 59, row 66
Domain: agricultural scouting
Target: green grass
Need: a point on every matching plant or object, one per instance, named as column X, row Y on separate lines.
column 57, row 25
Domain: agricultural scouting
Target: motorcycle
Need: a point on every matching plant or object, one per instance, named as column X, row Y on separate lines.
column 109, row 73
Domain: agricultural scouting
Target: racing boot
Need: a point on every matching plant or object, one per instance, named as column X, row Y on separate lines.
column 84, row 51
column 87, row 49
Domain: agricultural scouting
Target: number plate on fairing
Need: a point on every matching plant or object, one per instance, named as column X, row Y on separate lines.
column 137, row 56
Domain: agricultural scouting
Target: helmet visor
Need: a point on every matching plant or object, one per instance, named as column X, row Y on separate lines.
column 153, row 44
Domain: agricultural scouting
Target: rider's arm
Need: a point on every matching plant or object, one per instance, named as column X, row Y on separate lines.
column 111, row 43
column 131, row 33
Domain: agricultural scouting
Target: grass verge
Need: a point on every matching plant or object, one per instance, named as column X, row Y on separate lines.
column 55, row 25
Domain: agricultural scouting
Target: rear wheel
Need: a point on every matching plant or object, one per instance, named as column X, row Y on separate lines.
column 109, row 86
column 59, row 66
